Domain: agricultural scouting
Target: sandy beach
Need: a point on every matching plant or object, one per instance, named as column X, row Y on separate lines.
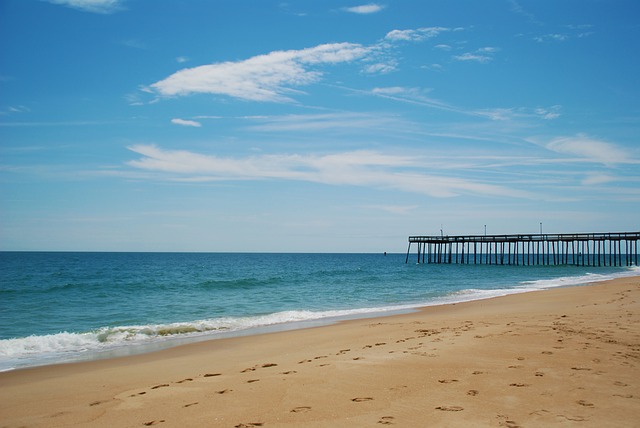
column 560, row 357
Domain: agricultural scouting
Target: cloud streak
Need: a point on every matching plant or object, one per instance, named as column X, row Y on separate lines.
column 356, row 168
column 278, row 75
column 93, row 6
column 365, row 9
column 590, row 149
column 267, row 78
column 183, row 122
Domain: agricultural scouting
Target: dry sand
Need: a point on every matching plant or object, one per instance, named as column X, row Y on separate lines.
column 562, row 357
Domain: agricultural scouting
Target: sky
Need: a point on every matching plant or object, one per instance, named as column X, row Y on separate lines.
column 314, row 126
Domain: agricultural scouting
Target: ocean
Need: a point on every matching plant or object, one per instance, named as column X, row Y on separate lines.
column 58, row 307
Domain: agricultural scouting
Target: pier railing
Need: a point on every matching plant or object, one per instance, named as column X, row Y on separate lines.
column 583, row 249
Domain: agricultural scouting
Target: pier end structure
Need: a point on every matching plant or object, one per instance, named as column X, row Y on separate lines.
column 583, row 249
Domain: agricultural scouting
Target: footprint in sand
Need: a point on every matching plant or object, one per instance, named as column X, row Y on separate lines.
column 212, row 374
column 253, row 380
column 519, row 385
column 153, row 422
column 224, row 391
column 447, row 380
column 473, row 392
column 185, row 380
column 361, row 399
column 190, row 404
column 265, row 365
column 584, row 403
column 450, row 408
column 301, row 409
column 164, row 385
column 343, row 351
column 249, row 425
column 386, row 420
column 290, row 372
column 539, row 374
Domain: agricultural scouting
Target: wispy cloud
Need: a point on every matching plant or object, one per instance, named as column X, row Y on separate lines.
column 365, row 9
column 416, row 35
column 270, row 77
column 518, row 9
column 11, row 110
column 551, row 37
column 183, row 122
column 357, row 168
column 343, row 121
column 590, row 149
column 595, row 179
column 94, row 6
column 278, row 75
column 480, row 55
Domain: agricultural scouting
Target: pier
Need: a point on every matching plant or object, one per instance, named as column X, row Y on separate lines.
column 581, row 249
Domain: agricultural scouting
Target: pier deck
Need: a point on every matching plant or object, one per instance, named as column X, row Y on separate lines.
column 583, row 249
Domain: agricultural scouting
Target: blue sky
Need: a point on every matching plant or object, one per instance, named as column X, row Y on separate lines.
column 319, row 126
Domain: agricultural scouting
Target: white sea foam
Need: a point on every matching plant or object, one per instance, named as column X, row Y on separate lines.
column 581, row 279
column 65, row 346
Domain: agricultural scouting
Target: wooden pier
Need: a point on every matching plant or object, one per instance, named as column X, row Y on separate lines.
column 581, row 249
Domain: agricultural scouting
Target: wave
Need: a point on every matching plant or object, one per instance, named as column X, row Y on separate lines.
column 69, row 346
column 588, row 278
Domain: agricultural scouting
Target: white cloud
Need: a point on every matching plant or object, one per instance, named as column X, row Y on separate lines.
column 365, row 9
column 551, row 38
column 356, row 168
column 381, row 68
column 597, row 178
column 590, row 149
column 182, row 59
column 94, row 6
column 14, row 110
column 184, row 122
column 481, row 55
column 343, row 121
column 267, row 77
column 414, row 35
column 549, row 113
column 472, row 57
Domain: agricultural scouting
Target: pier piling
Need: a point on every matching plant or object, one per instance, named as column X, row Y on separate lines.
column 580, row 249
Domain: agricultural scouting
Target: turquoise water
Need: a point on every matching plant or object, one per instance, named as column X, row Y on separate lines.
column 57, row 307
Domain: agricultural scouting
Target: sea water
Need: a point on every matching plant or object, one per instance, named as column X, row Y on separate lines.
column 62, row 307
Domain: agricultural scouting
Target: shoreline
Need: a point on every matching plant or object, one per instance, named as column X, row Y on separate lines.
column 558, row 356
column 97, row 351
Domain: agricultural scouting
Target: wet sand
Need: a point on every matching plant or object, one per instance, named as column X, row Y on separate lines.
column 560, row 357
